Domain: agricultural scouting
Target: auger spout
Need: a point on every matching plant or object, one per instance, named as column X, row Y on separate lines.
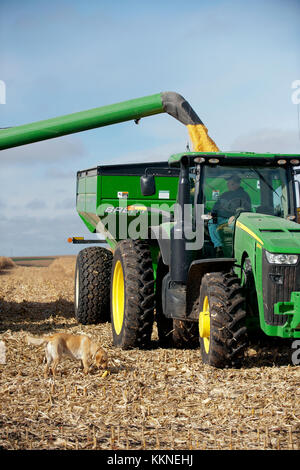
column 165, row 102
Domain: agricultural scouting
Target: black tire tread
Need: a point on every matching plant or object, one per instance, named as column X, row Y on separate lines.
column 139, row 294
column 228, row 339
column 94, row 264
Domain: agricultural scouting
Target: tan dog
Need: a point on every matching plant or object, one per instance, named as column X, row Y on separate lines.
column 75, row 346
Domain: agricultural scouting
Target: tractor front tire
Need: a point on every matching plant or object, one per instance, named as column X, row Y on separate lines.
column 92, row 285
column 223, row 334
column 132, row 295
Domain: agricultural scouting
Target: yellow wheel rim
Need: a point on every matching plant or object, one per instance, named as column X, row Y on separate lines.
column 204, row 324
column 118, row 297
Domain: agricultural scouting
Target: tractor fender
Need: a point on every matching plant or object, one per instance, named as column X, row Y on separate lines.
column 196, row 272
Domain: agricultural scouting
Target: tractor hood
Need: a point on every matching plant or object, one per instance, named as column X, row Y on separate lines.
column 275, row 234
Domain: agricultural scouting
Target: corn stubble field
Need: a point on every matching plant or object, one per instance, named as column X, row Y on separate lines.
column 154, row 399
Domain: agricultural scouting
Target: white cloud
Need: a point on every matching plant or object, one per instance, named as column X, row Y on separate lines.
column 38, row 236
column 46, row 151
column 36, row 204
column 58, row 173
column 268, row 140
column 66, row 204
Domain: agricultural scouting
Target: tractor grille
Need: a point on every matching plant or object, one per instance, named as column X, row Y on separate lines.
column 278, row 283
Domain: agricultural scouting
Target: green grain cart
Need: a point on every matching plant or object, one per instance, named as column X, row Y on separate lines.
column 209, row 263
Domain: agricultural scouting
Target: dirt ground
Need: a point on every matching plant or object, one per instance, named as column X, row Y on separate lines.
column 154, row 399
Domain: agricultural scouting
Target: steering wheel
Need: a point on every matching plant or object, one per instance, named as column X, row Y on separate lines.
column 233, row 204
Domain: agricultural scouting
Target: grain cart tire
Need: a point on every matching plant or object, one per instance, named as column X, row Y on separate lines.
column 223, row 334
column 132, row 295
column 185, row 334
column 164, row 324
column 92, row 285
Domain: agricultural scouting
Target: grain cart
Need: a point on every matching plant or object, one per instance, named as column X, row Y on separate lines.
column 159, row 220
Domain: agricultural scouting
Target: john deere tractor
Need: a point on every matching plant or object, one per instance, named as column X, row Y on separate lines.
column 163, row 274
column 209, row 261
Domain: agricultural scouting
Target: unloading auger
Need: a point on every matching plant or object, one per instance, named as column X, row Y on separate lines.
column 166, row 102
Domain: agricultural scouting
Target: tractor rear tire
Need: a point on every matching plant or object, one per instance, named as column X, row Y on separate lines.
column 132, row 295
column 92, row 285
column 224, row 334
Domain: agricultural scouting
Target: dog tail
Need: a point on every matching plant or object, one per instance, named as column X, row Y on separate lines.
column 37, row 341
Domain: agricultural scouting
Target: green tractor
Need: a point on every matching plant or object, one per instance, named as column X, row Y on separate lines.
column 159, row 272
column 206, row 244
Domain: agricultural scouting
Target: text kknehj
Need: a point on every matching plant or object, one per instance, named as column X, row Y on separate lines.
column 156, row 459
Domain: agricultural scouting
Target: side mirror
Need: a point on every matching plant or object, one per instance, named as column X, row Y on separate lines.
column 148, row 185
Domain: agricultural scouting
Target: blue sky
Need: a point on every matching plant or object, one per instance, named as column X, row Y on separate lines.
column 234, row 61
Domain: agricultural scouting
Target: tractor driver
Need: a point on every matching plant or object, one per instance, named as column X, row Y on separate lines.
column 229, row 204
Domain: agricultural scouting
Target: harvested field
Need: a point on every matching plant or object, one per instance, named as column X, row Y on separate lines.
column 39, row 261
column 6, row 263
column 154, row 399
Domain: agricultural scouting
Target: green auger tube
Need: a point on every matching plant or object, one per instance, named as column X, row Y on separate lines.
column 165, row 102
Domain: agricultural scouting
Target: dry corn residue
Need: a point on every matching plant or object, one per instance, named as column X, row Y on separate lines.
column 153, row 399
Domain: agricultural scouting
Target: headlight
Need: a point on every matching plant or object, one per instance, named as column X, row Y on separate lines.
column 275, row 258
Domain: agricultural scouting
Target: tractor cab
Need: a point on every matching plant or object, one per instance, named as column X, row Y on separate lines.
column 229, row 184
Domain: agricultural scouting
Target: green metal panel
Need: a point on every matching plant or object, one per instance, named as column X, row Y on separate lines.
column 80, row 205
column 277, row 235
column 84, row 217
column 111, row 186
column 81, row 186
column 87, row 194
column 250, row 239
column 91, row 184
column 90, row 203
column 174, row 160
column 292, row 309
column 104, row 191
column 165, row 102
